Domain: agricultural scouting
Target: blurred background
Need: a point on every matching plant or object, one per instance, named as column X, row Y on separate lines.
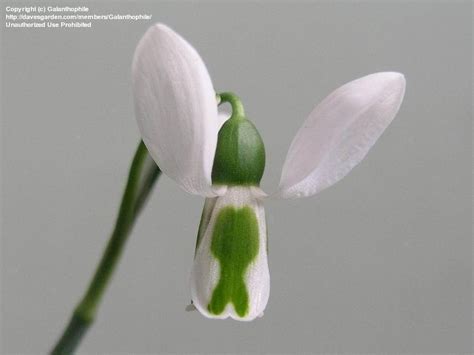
column 380, row 262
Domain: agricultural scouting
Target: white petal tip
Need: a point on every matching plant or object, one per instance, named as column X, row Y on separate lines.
column 396, row 78
column 390, row 75
column 162, row 29
column 389, row 80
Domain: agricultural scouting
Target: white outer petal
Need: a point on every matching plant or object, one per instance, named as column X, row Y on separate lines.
column 206, row 269
column 339, row 132
column 176, row 108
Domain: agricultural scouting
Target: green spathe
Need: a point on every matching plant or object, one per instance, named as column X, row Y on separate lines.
column 235, row 243
column 240, row 152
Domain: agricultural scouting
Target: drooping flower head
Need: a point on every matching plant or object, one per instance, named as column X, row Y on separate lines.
column 223, row 160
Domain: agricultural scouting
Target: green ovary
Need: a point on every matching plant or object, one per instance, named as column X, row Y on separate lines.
column 235, row 245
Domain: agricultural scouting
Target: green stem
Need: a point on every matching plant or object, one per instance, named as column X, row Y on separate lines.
column 234, row 101
column 142, row 176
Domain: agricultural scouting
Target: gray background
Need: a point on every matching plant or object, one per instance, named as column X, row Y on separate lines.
column 381, row 262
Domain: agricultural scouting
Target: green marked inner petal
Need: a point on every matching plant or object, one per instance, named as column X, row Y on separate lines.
column 235, row 243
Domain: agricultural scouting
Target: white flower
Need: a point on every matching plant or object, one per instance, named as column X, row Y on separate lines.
column 177, row 114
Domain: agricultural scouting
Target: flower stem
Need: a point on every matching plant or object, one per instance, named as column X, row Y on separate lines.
column 234, row 101
column 142, row 176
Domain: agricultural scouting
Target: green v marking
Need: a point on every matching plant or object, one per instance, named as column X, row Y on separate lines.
column 235, row 243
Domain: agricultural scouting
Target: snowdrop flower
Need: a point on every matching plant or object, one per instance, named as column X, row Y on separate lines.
column 178, row 118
